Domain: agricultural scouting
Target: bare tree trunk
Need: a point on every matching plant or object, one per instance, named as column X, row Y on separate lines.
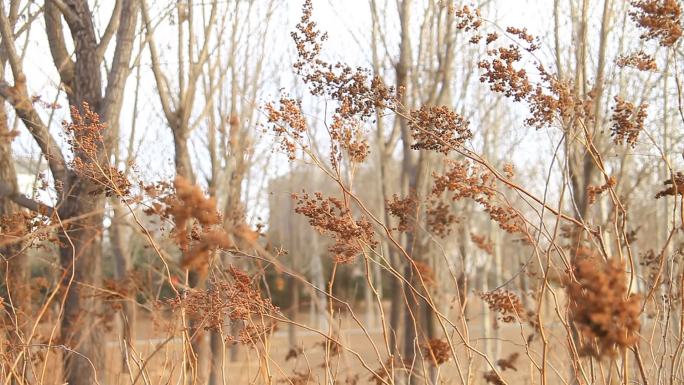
column 123, row 264
column 14, row 267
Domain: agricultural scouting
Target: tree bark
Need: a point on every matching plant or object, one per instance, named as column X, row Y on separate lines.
column 14, row 267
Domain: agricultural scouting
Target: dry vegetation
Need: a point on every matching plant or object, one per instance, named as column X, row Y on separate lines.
column 406, row 240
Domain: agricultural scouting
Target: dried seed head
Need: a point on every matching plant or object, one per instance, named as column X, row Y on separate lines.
column 627, row 121
column 506, row 303
column 437, row 351
column 438, row 129
column 605, row 313
column 660, row 18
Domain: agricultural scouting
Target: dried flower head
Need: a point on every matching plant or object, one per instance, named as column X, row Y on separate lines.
column 639, row 60
column 501, row 74
column 198, row 230
column 288, row 124
column 357, row 92
column 524, row 36
column 508, row 362
column 594, row 191
column 627, row 121
column 438, row 129
column 236, row 299
column 330, row 216
column 660, row 18
column 18, row 226
column 676, row 186
column 437, row 351
column 469, row 19
column 84, row 136
column 347, row 134
column 462, row 180
column 606, row 315
column 438, row 218
column 483, row 243
column 506, row 303
column 404, row 209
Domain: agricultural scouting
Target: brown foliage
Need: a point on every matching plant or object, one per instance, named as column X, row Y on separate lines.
column 197, row 224
column 483, row 243
column 605, row 313
column 438, row 129
column 356, row 90
column 404, row 209
column 462, row 180
column 660, row 18
column 639, row 60
column 234, row 299
column 330, row 216
column 676, row 186
column 437, row 351
column 594, row 191
column 506, row 303
column 288, row 124
column 84, row 136
column 438, row 218
column 508, row 362
column 627, row 121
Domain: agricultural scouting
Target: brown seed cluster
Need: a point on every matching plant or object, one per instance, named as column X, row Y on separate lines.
column 469, row 19
column 506, row 303
column 501, row 74
column 594, row 191
column 553, row 98
column 404, row 209
column 639, row 60
column 437, row 351
column 347, row 134
column 356, row 90
column 508, row 362
column 84, row 136
column 462, row 180
column 676, row 184
column 438, row 129
column 15, row 227
column 605, row 313
column 660, row 18
column 531, row 42
column 627, row 121
column 288, row 124
column 438, row 218
column 236, row 298
column 547, row 99
column 491, row 377
column 330, row 216
column 483, row 243
column 425, row 273
column 197, row 224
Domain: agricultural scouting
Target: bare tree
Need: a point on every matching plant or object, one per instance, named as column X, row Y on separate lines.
column 81, row 200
